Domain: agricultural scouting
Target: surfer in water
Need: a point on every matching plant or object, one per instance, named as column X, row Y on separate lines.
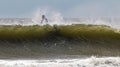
column 44, row 19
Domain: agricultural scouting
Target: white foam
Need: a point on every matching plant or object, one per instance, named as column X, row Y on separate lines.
column 81, row 62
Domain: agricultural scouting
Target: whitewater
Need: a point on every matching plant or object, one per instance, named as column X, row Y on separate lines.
column 84, row 62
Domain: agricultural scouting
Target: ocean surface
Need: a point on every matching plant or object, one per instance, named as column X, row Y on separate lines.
column 70, row 42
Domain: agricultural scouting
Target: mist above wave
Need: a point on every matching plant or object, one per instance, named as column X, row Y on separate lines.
column 56, row 18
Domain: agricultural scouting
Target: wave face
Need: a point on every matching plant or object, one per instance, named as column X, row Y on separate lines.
column 37, row 41
column 87, row 62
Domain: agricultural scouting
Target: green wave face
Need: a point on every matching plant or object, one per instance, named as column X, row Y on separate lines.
column 24, row 32
column 73, row 31
column 63, row 39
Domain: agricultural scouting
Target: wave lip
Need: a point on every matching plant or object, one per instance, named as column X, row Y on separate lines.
column 113, row 22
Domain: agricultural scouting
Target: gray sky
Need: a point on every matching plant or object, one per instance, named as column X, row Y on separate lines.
column 68, row 8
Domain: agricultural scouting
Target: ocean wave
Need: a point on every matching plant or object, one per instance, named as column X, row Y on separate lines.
column 35, row 41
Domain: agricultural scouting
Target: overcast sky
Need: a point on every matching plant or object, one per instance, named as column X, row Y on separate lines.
column 68, row 8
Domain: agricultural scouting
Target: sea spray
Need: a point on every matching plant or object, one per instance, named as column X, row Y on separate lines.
column 114, row 22
column 56, row 18
column 38, row 16
column 53, row 17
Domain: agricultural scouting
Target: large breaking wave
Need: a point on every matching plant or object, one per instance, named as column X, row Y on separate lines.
column 74, row 38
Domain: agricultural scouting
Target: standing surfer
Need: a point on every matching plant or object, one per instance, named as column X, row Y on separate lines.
column 44, row 19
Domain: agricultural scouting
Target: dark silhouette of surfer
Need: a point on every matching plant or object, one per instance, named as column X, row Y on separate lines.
column 44, row 19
